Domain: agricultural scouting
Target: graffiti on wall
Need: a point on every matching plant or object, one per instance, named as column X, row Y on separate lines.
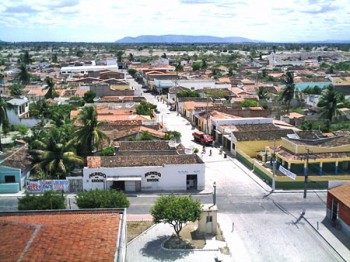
column 40, row 186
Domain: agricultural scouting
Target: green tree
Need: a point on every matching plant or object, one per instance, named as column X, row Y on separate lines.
column 249, row 103
column 145, row 108
column 288, row 92
column 54, row 58
column 119, row 55
column 23, row 76
column 108, row 151
column 132, row 72
column 262, row 93
column 102, row 199
column 196, row 66
column 176, row 211
column 89, row 96
column 55, row 154
column 179, row 67
column 3, row 116
column 330, row 102
column 131, row 57
column 16, row 90
column 87, row 135
column 163, row 55
column 26, row 59
column 50, row 88
column 80, row 53
column 173, row 135
column 49, row 200
column 187, row 93
column 145, row 136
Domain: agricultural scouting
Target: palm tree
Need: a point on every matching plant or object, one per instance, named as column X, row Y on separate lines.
column 289, row 89
column 54, row 155
column 3, row 116
column 23, row 76
column 50, row 88
column 87, row 135
column 26, row 59
column 329, row 102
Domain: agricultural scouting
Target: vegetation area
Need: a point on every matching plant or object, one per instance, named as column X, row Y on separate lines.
column 176, row 211
column 46, row 201
column 102, row 199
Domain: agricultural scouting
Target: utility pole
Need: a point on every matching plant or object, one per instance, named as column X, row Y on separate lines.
column 307, row 157
column 306, row 171
column 274, row 159
column 214, row 195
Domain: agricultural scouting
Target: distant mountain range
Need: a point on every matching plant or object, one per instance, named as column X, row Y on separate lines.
column 185, row 39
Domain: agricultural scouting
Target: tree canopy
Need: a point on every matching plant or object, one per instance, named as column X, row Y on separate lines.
column 330, row 102
column 176, row 211
column 288, row 92
column 249, row 103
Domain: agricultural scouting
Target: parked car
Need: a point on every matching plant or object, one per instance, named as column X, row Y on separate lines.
column 203, row 138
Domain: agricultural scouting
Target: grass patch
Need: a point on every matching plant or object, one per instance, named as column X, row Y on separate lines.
column 135, row 228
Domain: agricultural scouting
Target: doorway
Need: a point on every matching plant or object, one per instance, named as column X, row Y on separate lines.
column 191, row 182
column 334, row 210
column 118, row 185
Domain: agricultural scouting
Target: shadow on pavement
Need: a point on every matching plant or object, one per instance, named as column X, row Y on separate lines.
column 153, row 249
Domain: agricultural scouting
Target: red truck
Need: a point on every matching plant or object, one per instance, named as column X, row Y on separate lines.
column 203, row 138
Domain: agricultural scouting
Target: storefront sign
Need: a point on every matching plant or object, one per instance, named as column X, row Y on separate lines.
column 153, row 176
column 97, row 177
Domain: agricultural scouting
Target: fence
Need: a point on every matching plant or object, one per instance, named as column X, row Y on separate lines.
column 284, row 182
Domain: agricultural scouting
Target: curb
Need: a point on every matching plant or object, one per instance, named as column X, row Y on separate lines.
column 182, row 250
column 144, row 232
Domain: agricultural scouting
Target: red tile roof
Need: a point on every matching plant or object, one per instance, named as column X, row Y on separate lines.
column 342, row 193
column 60, row 235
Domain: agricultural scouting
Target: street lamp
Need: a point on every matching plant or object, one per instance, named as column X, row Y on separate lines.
column 214, row 195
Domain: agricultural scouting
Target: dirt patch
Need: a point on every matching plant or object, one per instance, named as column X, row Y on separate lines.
column 135, row 228
column 189, row 238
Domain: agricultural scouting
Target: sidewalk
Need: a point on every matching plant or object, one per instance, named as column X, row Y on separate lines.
column 337, row 239
column 148, row 247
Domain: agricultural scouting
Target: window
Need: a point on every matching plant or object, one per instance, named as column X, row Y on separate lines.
column 209, row 219
column 10, row 179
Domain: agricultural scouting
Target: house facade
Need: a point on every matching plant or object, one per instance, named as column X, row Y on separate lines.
column 145, row 166
column 338, row 206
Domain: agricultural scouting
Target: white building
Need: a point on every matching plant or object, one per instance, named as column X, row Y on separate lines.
column 145, row 166
column 66, row 70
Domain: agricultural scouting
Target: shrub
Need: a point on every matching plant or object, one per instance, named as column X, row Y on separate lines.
column 102, row 199
column 49, row 200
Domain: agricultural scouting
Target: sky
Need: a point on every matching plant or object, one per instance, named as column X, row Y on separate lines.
column 110, row 20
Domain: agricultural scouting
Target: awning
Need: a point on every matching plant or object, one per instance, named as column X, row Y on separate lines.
column 124, row 178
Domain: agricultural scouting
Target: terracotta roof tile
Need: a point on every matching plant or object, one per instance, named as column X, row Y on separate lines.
column 59, row 236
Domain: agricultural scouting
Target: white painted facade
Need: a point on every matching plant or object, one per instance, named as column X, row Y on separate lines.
column 170, row 177
column 84, row 69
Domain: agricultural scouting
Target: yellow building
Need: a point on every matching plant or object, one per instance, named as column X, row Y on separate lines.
column 311, row 153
